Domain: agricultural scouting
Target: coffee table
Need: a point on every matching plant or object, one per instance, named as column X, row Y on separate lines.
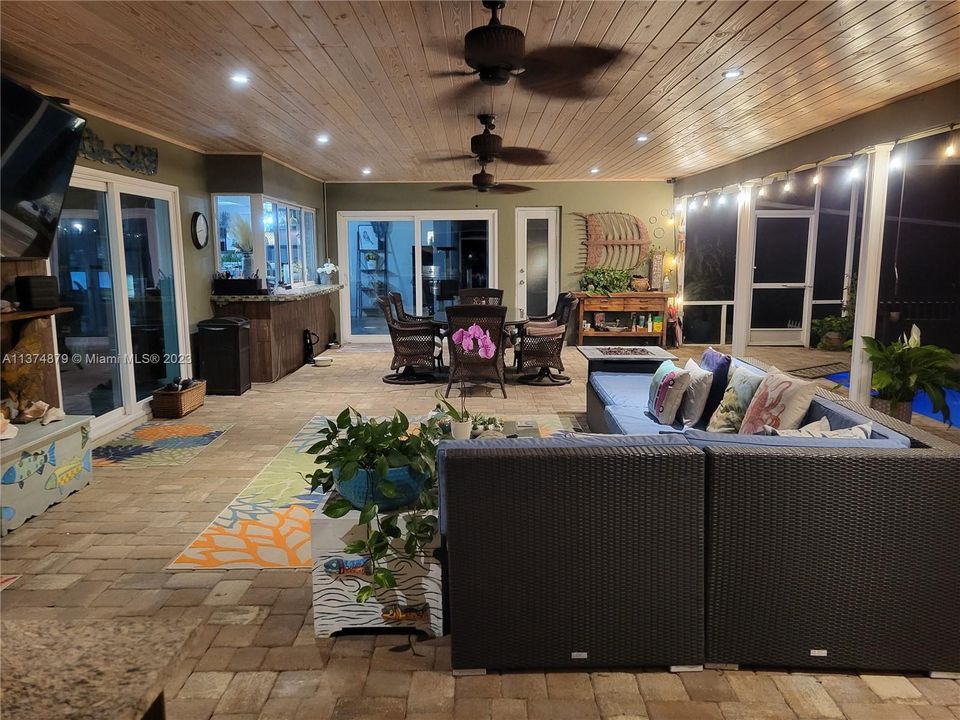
column 622, row 358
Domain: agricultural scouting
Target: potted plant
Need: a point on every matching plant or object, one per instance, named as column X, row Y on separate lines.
column 325, row 272
column 370, row 260
column 461, row 424
column 604, row 280
column 904, row 367
column 467, row 340
column 833, row 331
column 387, row 470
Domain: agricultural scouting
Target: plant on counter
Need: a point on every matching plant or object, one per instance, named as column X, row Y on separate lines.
column 387, row 471
column 904, row 367
column 604, row 280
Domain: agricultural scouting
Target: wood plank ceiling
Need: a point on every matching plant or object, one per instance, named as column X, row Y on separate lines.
column 366, row 73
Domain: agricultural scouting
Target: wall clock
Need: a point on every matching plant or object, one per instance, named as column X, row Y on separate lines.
column 199, row 230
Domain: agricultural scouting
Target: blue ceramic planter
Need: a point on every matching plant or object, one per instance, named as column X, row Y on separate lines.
column 362, row 488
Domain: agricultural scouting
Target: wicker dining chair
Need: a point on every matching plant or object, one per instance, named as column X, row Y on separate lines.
column 541, row 343
column 481, row 296
column 396, row 300
column 469, row 365
column 414, row 347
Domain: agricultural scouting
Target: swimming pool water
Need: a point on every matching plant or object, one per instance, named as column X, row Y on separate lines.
column 922, row 405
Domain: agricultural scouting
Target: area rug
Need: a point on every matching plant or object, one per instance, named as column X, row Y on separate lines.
column 159, row 442
column 818, row 371
column 268, row 524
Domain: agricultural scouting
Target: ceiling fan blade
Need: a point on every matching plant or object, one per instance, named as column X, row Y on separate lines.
column 448, row 158
column 508, row 189
column 524, row 156
column 561, row 70
column 465, row 93
column 453, row 188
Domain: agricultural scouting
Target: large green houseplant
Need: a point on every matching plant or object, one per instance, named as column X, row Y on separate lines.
column 604, row 280
column 904, row 367
column 387, row 471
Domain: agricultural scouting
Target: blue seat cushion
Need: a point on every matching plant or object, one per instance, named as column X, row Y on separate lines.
column 627, row 389
column 702, row 439
column 628, row 420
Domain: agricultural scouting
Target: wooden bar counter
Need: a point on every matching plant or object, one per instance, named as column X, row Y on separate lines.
column 277, row 323
column 621, row 305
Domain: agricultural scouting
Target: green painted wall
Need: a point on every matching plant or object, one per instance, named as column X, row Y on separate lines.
column 185, row 169
column 646, row 200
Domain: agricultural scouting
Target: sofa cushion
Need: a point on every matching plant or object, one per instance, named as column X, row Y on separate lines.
column 821, row 428
column 695, row 399
column 719, row 364
column 701, row 439
column 629, row 389
column 781, row 402
column 736, row 399
column 558, row 440
column 666, row 391
column 627, row 420
column 840, row 417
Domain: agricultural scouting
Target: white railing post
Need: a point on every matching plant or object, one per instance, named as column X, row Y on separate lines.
column 743, row 283
column 868, row 273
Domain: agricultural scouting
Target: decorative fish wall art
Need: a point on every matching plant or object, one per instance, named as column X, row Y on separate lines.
column 30, row 464
column 614, row 240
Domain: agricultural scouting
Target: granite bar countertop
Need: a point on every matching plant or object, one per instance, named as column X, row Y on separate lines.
column 88, row 669
column 287, row 296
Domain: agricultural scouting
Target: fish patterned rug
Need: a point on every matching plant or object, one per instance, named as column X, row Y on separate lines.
column 171, row 442
column 268, row 524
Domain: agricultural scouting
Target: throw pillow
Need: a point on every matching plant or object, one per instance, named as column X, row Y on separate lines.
column 719, row 364
column 781, row 401
column 728, row 416
column 666, row 392
column 695, row 399
column 821, row 429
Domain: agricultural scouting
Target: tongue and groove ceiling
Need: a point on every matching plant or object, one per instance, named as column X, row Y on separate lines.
column 366, row 73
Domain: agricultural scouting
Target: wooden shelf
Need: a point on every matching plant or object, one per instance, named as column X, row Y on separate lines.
column 32, row 314
column 628, row 333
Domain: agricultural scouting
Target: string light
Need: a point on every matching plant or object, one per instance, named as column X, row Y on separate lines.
column 706, row 201
column 761, row 192
column 679, row 207
column 855, row 172
column 787, row 186
column 951, row 150
column 721, row 200
column 816, row 176
column 693, row 206
column 896, row 161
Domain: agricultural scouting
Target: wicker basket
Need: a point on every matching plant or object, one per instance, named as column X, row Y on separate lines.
column 176, row 404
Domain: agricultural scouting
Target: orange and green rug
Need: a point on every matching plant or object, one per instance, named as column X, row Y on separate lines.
column 159, row 442
column 268, row 524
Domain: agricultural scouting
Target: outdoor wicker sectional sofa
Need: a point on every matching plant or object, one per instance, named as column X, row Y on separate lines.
column 814, row 554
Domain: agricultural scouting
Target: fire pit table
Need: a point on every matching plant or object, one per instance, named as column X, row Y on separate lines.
column 624, row 358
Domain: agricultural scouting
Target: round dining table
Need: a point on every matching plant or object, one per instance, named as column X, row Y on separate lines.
column 515, row 319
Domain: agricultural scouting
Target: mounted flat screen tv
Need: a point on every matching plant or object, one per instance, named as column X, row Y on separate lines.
column 40, row 139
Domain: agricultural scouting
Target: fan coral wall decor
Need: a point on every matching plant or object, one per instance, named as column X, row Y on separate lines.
column 614, row 239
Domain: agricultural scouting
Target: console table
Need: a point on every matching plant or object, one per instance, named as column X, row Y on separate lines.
column 415, row 603
column 623, row 304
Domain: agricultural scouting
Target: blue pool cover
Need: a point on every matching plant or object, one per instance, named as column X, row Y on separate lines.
column 922, row 404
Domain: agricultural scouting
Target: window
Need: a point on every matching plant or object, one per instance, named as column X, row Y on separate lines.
column 272, row 239
column 709, row 271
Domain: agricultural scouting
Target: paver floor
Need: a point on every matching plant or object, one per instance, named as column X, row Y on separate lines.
column 103, row 552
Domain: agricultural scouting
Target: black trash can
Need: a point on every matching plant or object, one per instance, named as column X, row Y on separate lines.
column 224, row 344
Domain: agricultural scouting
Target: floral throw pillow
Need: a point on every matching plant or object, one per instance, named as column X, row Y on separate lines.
column 781, row 402
column 666, row 392
column 728, row 416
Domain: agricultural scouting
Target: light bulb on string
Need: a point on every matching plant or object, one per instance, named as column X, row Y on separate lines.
column 706, row 201
column 722, row 200
column 951, row 150
column 761, row 192
column 855, row 172
column 787, row 186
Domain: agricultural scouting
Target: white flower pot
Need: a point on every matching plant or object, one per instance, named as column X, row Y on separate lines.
column 461, row 430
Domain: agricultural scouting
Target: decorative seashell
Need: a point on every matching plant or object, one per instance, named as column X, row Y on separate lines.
column 53, row 414
column 33, row 411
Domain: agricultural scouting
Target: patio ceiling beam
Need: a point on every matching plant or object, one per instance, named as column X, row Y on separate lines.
column 868, row 274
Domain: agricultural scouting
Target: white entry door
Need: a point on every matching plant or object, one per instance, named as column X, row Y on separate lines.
column 538, row 260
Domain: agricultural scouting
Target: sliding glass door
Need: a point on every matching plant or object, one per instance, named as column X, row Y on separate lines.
column 427, row 257
column 118, row 258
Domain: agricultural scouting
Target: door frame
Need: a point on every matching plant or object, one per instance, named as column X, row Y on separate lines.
column 787, row 336
column 415, row 216
column 552, row 215
column 114, row 184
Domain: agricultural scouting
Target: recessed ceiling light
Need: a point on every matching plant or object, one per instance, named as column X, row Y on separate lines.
column 323, row 138
column 733, row 73
column 642, row 138
column 239, row 78
column 594, row 171
column 366, row 171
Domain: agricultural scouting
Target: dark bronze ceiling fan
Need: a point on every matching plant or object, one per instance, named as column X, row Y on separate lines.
column 497, row 52
column 485, row 182
column 488, row 147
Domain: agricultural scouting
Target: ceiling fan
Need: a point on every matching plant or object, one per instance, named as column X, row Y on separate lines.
column 497, row 52
column 487, row 147
column 485, row 182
